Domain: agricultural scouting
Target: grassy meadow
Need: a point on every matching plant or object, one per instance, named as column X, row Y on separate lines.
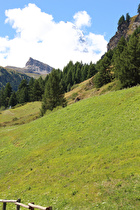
column 84, row 156
column 20, row 114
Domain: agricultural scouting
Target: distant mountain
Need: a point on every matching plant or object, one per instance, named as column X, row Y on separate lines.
column 33, row 66
column 125, row 29
column 11, row 76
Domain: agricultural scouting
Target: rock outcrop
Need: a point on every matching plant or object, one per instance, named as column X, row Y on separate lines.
column 125, row 29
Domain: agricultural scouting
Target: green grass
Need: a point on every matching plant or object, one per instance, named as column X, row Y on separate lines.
column 85, row 156
column 20, row 115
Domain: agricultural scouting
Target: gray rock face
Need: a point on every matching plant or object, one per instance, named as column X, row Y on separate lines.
column 35, row 66
column 122, row 31
column 125, row 30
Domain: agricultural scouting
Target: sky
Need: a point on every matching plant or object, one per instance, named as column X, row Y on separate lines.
column 57, row 31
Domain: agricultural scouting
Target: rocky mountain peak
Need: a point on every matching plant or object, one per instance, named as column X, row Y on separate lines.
column 31, row 61
column 35, row 66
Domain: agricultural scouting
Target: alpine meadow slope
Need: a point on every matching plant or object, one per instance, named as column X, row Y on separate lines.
column 85, row 155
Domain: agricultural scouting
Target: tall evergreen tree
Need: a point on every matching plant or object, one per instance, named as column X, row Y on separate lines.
column 13, row 100
column 127, row 18
column 69, row 77
column 31, row 84
column 84, row 72
column 23, row 92
column 23, row 84
column 23, row 95
column 78, row 75
column 121, row 20
column 2, row 98
column 7, row 93
column 91, row 70
column 117, row 53
column 8, row 90
column 54, row 94
column 128, row 66
column 37, row 91
column 139, row 8
column 42, row 85
column 104, row 75
column 68, row 87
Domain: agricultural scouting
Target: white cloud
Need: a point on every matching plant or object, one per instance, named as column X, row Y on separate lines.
column 82, row 19
column 39, row 36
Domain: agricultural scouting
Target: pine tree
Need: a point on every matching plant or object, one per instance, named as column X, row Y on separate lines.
column 84, row 72
column 127, row 18
column 42, row 85
column 128, row 66
column 69, row 77
column 7, row 93
column 31, row 84
column 138, row 9
column 37, row 91
column 121, row 20
column 91, row 70
column 54, row 94
column 104, row 75
column 23, row 84
column 2, row 98
column 23, row 92
column 23, row 95
column 68, row 87
column 117, row 53
column 78, row 75
column 13, row 99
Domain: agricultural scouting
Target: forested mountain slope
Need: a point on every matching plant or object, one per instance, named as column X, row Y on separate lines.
column 11, row 76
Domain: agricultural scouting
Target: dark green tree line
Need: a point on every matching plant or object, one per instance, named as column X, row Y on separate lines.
column 32, row 91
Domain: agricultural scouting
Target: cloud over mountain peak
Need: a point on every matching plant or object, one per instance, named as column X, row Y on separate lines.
column 38, row 35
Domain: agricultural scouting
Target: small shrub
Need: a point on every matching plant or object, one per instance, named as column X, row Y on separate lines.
column 74, row 95
column 74, row 192
column 15, row 118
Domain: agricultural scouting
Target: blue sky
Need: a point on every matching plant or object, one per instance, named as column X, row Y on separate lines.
column 44, row 29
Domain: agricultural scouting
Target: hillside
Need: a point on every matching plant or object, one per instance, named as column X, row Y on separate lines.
column 20, row 114
column 87, row 89
column 83, row 156
column 11, row 76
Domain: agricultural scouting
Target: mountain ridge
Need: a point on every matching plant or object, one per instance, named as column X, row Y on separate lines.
column 33, row 66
